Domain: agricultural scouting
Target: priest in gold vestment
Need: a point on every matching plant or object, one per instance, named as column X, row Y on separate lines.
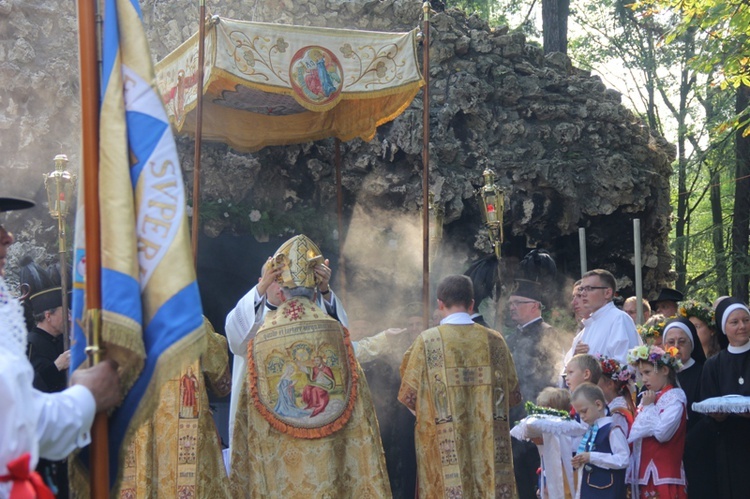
column 460, row 381
column 305, row 424
column 177, row 452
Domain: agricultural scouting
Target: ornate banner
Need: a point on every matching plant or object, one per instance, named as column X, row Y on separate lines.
column 274, row 84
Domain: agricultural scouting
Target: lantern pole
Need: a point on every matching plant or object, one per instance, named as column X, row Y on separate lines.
column 426, row 167
column 59, row 186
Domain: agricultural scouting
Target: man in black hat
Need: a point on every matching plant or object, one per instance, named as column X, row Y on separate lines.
column 666, row 303
column 50, row 361
column 537, row 349
column 34, row 424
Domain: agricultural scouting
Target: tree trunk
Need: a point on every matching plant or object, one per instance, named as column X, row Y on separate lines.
column 555, row 25
column 682, row 225
column 720, row 259
column 741, row 213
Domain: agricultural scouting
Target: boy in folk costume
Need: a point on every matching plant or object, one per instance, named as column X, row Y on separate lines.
column 603, row 452
column 660, row 426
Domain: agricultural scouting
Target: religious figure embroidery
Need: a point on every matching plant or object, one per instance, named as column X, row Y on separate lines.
column 286, row 405
column 315, row 394
column 188, row 392
column 441, row 401
column 499, row 399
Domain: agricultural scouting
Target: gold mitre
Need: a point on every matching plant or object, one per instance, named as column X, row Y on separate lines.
column 297, row 258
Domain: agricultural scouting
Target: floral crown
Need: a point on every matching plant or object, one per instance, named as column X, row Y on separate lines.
column 616, row 371
column 649, row 334
column 694, row 308
column 656, row 356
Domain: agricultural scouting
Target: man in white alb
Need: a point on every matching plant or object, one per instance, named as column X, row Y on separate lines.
column 608, row 330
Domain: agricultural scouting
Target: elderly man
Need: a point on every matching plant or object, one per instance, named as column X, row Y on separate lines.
column 305, row 423
column 630, row 308
column 34, row 424
column 460, row 380
column 608, row 330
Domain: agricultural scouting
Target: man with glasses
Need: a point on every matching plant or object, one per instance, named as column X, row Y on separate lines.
column 608, row 330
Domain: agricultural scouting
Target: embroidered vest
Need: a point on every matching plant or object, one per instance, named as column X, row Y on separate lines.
column 600, row 482
column 667, row 456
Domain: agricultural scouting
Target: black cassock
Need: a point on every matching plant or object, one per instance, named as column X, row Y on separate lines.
column 700, row 442
column 724, row 374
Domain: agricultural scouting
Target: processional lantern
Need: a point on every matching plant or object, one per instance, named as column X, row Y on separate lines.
column 493, row 206
column 60, row 185
column 436, row 216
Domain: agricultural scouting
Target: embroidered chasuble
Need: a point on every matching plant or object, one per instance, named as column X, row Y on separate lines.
column 305, row 425
column 177, row 453
column 461, row 382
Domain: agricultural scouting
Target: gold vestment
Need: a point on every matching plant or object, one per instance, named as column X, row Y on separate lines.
column 177, row 452
column 461, row 381
column 305, row 425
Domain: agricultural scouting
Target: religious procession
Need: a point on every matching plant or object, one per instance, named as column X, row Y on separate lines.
column 502, row 325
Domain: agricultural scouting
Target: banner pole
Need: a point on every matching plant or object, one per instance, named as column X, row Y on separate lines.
column 198, row 132
column 426, row 167
column 89, row 61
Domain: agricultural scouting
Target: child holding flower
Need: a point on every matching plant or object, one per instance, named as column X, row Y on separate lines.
column 658, row 432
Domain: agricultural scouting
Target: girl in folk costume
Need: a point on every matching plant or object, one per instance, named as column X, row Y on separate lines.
column 658, row 432
column 603, row 452
column 615, row 383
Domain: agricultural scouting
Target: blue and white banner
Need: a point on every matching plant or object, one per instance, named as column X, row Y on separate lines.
column 151, row 312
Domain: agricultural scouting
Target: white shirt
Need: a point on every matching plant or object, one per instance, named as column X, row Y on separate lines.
column 48, row 425
column 458, row 319
column 609, row 331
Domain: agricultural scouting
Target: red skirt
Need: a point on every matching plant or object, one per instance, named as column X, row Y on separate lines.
column 666, row 491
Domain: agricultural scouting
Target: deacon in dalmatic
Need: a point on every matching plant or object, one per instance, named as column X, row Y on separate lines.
column 305, row 423
column 177, row 452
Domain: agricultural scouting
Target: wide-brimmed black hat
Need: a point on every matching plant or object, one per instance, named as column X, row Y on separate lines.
column 13, row 204
column 48, row 299
column 528, row 289
column 667, row 294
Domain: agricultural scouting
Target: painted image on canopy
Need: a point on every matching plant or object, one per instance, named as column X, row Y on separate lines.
column 316, row 75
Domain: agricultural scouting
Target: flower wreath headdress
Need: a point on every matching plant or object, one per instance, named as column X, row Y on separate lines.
column 694, row 308
column 612, row 369
column 656, row 356
column 649, row 334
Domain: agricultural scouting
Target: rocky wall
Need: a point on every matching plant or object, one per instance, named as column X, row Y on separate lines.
column 566, row 152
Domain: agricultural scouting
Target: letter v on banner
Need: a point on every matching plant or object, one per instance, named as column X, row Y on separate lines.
column 148, row 301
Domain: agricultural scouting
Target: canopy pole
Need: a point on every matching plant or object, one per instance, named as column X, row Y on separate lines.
column 582, row 248
column 638, row 269
column 88, row 52
column 340, row 217
column 198, row 132
column 426, row 167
